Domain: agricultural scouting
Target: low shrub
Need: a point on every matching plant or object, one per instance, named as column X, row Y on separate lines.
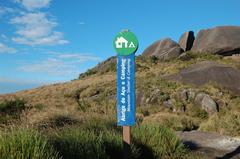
column 10, row 110
column 12, row 106
column 39, row 107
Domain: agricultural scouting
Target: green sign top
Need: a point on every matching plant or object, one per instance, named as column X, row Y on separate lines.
column 125, row 43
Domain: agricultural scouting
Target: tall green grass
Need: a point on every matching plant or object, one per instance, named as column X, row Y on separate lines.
column 86, row 144
column 160, row 142
column 25, row 144
column 105, row 142
column 94, row 138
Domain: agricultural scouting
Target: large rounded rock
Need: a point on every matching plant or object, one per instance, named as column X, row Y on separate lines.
column 206, row 103
column 222, row 40
column 205, row 72
column 164, row 49
column 186, row 40
column 211, row 145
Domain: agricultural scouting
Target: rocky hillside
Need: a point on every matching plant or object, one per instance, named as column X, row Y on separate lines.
column 190, row 85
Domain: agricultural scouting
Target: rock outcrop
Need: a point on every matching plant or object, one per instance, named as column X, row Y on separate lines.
column 206, row 103
column 222, row 40
column 204, row 72
column 211, row 145
column 164, row 49
column 186, row 40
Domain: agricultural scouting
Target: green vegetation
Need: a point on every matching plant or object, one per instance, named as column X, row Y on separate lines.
column 93, row 139
column 25, row 144
column 57, row 121
column 10, row 110
column 39, row 107
column 89, row 144
column 78, row 119
column 175, row 122
column 160, row 141
column 10, row 106
column 102, row 68
column 87, row 73
column 227, row 124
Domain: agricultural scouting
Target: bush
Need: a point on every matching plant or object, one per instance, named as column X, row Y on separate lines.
column 154, row 59
column 200, row 56
column 10, row 110
column 161, row 141
column 12, row 106
column 39, row 107
column 25, row 144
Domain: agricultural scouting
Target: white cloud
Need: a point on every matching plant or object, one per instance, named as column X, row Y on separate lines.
column 4, row 10
column 33, row 25
column 18, row 81
column 6, row 49
column 51, row 66
column 78, row 57
column 4, row 37
column 34, row 4
column 54, row 39
column 36, row 29
column 59, row 65
column 81, row 23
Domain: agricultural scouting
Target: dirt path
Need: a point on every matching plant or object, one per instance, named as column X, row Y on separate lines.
column 214, row 146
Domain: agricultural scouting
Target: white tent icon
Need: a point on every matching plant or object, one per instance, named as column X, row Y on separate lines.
column 131, row 45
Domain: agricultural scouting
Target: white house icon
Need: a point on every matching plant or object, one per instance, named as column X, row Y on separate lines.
column 120, row 42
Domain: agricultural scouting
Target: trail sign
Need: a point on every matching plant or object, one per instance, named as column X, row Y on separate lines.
column 126, row 90
column 126, row 44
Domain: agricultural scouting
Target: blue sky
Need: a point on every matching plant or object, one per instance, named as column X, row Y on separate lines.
column 48, row 41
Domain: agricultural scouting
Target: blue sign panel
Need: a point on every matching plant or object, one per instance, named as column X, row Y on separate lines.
column 126, row 90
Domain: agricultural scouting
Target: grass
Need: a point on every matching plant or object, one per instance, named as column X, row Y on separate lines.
column 57, row 121
column 94, row 94
column 175, row 122
column 39, row 107
column 226, row 124
column 88, row 144
column 100, row 138
column 10, row 110
column 25, row 144
column 159, row 141
column 104, row 141
column 96, row 139
column 9, row 106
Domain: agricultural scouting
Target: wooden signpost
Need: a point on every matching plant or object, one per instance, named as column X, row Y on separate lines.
column 126, row 44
